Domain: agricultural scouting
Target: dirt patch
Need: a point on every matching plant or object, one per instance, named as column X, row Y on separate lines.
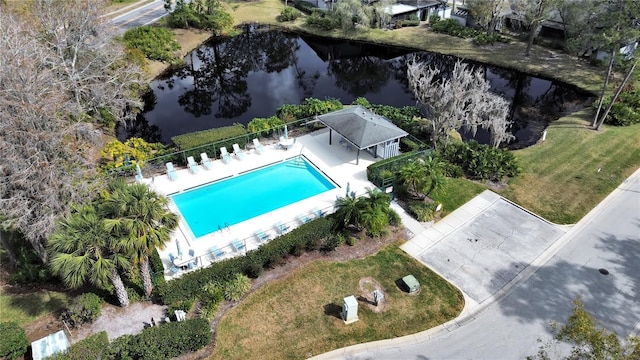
column 367, row 287
column 118, row 321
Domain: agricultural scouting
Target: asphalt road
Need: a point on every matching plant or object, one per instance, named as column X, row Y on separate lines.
column 607, row 238
column 141, row 16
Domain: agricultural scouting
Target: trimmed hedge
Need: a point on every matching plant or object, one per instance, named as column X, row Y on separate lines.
column 210, row 141
column 157, row 267
column 309, row 107
column 164, row 341
column 190, row 285
column 14, row 341
column 92, row 347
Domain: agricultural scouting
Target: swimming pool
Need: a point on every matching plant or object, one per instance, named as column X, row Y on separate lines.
column 224, row 203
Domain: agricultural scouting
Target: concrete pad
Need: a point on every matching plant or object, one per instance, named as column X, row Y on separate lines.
column 484, row 253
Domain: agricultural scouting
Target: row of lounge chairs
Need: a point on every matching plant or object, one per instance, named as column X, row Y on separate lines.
column 208, row 164
column 216, row 253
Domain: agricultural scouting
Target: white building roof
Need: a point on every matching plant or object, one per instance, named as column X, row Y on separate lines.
column 396, row 9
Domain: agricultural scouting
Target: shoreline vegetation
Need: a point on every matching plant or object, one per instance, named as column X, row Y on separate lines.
column 543, row 62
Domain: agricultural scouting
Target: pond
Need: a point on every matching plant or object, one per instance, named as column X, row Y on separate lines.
column 234, row 80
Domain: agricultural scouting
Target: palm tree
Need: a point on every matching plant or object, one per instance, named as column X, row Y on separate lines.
column 142, row 219
column 414, row 176
column 82, row 250
column 377, row 199
column 374, row 219
column 348, row 211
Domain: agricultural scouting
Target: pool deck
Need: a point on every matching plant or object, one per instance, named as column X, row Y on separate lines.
column 336, row 161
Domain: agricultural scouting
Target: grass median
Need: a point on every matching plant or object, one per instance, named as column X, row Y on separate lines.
column 297, row 317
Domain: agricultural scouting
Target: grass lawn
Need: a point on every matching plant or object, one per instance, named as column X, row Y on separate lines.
column 297, row 317
column 459, row 191
column 560, row 179
column 24, row 309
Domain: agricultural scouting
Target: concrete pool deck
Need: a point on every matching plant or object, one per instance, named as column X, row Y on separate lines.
column 335, row 161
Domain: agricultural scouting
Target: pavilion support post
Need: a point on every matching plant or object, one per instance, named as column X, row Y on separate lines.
column 330, row 131
column 358, row 157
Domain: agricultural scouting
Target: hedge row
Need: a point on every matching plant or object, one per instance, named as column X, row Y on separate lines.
column 196, row 141
column 92, row 347
column 385, row 171
column 308, row 108
column 164, row 341
column 190, row 285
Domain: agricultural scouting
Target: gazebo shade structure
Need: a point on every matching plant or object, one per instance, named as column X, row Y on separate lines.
column 364, row 130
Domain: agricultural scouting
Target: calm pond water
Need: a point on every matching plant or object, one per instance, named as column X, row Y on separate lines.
column 234, row 80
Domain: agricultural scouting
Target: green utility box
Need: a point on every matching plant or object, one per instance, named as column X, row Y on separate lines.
column 411, row 283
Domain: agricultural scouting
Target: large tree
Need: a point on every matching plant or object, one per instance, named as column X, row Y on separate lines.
column 84, row 251
column 532, row 13
column 589, row 340
column 463, row 99
column 60, row 74
column 141, row 219
column 487, row 13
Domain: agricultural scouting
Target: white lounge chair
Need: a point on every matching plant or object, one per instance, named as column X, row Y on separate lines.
column 258, row 146
column 238, row 245
column 262, row 236
column 206, row 162
column 224, row 154
column 280, row 227
column 171, row 171
column 193, row 166
column 216, row 252
column 238, row 152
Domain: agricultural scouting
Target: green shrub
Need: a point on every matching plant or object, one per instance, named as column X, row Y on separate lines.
column 288, row 14
column 434, row 19
column 212, row 296
column 210, row 141
column 378, row 172
column 83, row 309
column 394, row 217
column 484, row 39
column 453, row 28
column 264, row 126
column 423, row 211
column 165, row 341
column 351, row 241
column 92, row 347
column 413, row 20
column 184, row 305
column 362, row 102
column 625, row 111
column 156, row 43
column 322, row 21
column 29, row 268
column 190, row 285
column 14, row 341
column 407, row 145
column 157, row 268
column 235, row 288
column 309, row 107
column 480, row 161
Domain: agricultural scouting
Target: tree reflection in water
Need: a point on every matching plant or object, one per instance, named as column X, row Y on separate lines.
column 234, row 80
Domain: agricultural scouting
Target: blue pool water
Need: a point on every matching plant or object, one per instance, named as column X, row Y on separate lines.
column 243, row 197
